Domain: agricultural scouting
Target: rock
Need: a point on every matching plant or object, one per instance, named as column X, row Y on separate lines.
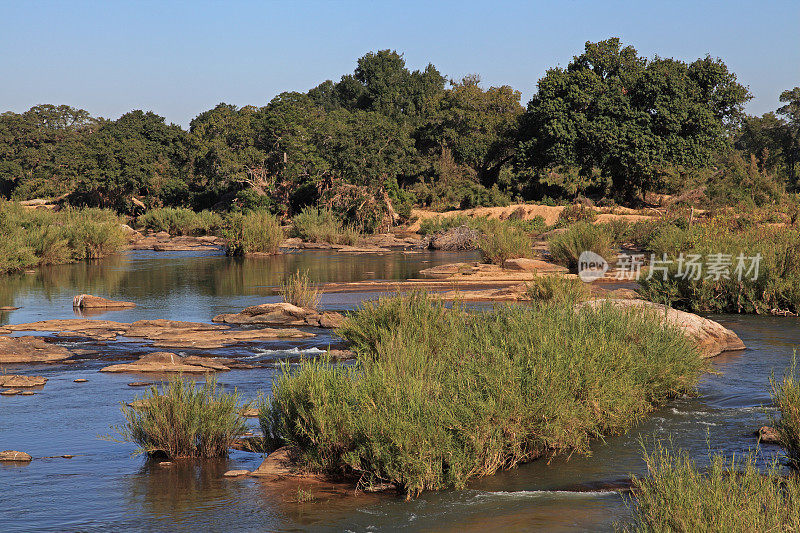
column 6, row 308
column 30, row 350
column 454, row 239
column 712, row 338
column 769, row 435
column 15, row 457
column 448, row 270
column 18, row 381
column 236, row 473
column 9, row 392
column 282, row 314
column 140, row 384
column 280, row 463
column 340, row 355
column 166, row 362
column 87, row 301
column 533, row 265
column 26, row 393
column 251, row 412
column 80, row 380
column 165, row 464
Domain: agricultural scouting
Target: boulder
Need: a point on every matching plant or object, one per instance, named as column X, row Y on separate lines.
column 280, row 463
column 30, row 350
column 17, row 381
column 712, row 338
column 87, row 301
column 166, row 362
column 15, row 457
column 282, row 314
column 769, row 435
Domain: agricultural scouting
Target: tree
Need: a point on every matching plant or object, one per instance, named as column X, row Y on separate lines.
column 791, row 110
column 629, row 117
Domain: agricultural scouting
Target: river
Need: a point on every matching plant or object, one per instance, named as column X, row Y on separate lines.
column 103, row 487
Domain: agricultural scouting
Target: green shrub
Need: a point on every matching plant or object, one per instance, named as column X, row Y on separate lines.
column 557, row 288
column 775, row 289
column 181, row 221
column 298, row 290
column 500, row 242
column 567, row 247
column 786, row 397
column 183, row 420
column 321, row 225
column 576, row 213
column 731, row 495
column 439, row 396
column 253, row 232
column 440, row 224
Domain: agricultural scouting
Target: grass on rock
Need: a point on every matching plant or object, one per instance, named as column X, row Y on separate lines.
column 299, row 290
column 567, row 247
column 439, row 396
column 253, row 232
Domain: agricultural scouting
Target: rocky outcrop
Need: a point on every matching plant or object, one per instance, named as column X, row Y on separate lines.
column 17, row 381
column 168, row 362
column 12, row 456
column 282, row 314
column 283, row 462
column 712, row 338
column 769, row 435
column 163, row 333
column 87, row 301
column 30, row 350
column 163, row 242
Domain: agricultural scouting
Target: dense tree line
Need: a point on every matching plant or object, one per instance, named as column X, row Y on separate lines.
column 609, row 124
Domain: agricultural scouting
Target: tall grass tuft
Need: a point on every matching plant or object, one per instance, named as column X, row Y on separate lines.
column 567, row 247
column 181, row 221
column 253, row 232
column 321, row 225
column 299, row 290
column 501, row 241
column 731, row 495
column 439, row 396
column 183, row 420
column 786, row 397
column 557, row 288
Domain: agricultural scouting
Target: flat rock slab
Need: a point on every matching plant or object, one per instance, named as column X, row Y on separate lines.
column 17, row 381
column 163, row 333
column 281, row 463
column 30, row 350
column 236, row 473
column 87, row 301
column 282, row 314
column 712, row 338
column 168, row 362
column 12, row 456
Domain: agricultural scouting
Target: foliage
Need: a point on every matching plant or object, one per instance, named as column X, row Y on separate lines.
column 561, row 289
column 786, row 397
column 500, row 241
column 730, row 495
column 253, row 232
column 183, row 420
column 439, row 396
column 181, row 221
column 776, row 286
column 321, row 225
column 299, row 290
column 576, row 213
column 567, row 247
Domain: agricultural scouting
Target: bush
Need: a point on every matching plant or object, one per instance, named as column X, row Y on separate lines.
column 567, row 247
column 180, row 221
column 557, row 288
column 440, row 224
column 321, row 225
column 253, row 232
column 786, row 397
column 576, row 213
column 500, row 242
column 439, row 396
column 731, row 495
column 776, row 288
column 183, row 420
column 298, row 290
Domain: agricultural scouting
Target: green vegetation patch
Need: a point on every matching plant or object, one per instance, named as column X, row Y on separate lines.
column 252, row 232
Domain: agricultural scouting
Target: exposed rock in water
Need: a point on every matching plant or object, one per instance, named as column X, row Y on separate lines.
column 6, row 308
column 30, row 350
column 17, row 381
column 140, row 384
column 251, row 412
column 236, row 473
column 87, row 301
column 282, row 314
column 769, row 435
column 167, row 362
column 80, row 380
column 455, row 239
column 712, row 338
column 280, row 463
column 533, row 265
column 9, row 392
column 15, row 457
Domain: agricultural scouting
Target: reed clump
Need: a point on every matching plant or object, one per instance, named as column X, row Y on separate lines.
column 500, row 241
column 729, row 495
column 557, row 288
column 252, row 232
column 567, row 247
column 181, row 420
column 786, row 397
column 314, row 224
column 300, row 291
column 181, row 221
column 439, row 396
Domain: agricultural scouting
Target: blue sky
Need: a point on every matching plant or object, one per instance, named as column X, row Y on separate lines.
column 180, row 58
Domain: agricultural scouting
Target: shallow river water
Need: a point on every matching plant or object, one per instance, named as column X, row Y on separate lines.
column 105, row 488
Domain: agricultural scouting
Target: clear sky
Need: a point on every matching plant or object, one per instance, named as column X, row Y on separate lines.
column 181, row 58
